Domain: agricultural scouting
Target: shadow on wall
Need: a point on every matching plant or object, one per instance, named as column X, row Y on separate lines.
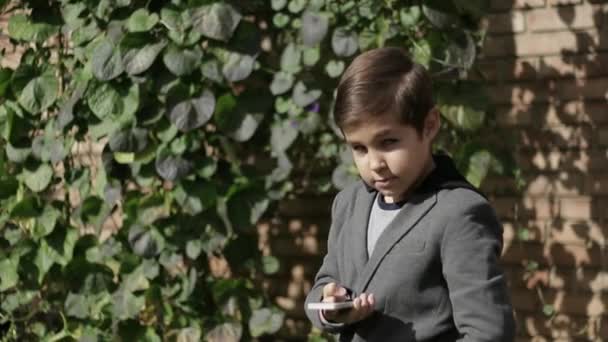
column 547, row 66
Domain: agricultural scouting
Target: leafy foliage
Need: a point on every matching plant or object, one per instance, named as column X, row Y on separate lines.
column 201, row 111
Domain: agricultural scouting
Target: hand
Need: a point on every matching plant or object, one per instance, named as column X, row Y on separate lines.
column 363, row 305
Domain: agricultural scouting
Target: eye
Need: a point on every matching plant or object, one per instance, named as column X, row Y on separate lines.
column 359, row 148
column 388, row 142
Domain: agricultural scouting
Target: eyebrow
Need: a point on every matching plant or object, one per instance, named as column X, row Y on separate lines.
column 376, row 136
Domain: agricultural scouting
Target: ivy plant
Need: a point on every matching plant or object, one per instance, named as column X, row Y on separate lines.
column 194, row 116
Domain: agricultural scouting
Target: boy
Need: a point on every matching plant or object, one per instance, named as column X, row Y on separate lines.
column 413, row 244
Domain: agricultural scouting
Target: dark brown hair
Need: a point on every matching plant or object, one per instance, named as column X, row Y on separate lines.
column 383, row 81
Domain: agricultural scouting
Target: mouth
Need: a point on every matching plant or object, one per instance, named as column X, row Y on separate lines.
column 383, row 182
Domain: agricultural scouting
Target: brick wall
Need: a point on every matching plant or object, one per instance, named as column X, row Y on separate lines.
column 546, row 63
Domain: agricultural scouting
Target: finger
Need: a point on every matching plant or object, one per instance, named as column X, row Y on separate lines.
column 330, row 299
column 371, row 300
column 329, row 289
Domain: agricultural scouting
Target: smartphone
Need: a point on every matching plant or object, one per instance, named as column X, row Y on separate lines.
column 330, row 306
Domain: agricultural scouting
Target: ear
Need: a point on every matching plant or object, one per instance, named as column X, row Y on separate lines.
column 432, row 123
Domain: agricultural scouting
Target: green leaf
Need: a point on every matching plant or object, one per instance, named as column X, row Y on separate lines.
column 281, row 83
column 270, row 264
column 8, row 273
column 39, row 179
column 193, row 198
column 141, row 21
column 265, row 321
column 303, row 97
column 343, row 175
column 479, row 165
column 192, row 334
column 125, row 305
column 314, row 28
column 182, row 61
column 238, row 67
column 225, row 332
column 409, row 16
column 248, row 127
column 211, row 70
column 139, row 59
column 463, row 117
column 170, row 167
column 45, row 224
column 71, row 14
column 106, row 62
column 190, row 113
column 280, row 20
column 76, row 305
column 45, row 259
column 441, row 13
column 39, row 93
column 17, row 154
column 311, row 56
column 85, row 34
column 422, row 53
column 104, row 100
column 461, row 50
column 194, row 249
column 217, row 21
column 548, row 310
column 21, row 27
column 344, row 43
column 5, row 80
column 296, row 6
column 278, row 5
column 291, row 59
column 334, row 68
column 283, row 134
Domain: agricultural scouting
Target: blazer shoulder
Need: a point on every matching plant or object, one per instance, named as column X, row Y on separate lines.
column 348, row 196
column 462, row 200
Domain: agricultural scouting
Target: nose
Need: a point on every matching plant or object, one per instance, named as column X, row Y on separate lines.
column 376, row 161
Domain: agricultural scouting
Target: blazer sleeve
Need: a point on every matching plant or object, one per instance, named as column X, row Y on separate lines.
column 471, row 248
column 327, row 273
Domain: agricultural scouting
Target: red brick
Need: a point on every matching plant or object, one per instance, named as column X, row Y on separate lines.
column 561, row 327
column 517, row 252
column 584, row 304
column 306, row 207
column 602, row 136
column 563, row 183
column 561, row 255
column 556, row 91
column 510, row 4
column 556, row 160
column 536, row 231
column 579, row 280
column 576, row 208
column 508, row 22
column 577, row 232
column 514, row 116
column 597, row 184
column 542, row 44
column 509, row 69
column 564, row 2
column 556, row 136
column 564, row 18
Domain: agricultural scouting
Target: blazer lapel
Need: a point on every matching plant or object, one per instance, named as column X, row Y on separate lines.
column 358, row 224
column 414, row 210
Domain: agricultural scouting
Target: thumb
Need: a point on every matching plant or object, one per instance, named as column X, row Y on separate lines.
column 329, row 290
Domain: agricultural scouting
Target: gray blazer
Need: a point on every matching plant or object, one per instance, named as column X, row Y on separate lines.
column 434, row 272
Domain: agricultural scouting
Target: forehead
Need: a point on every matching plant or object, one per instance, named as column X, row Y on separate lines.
column 375, row 127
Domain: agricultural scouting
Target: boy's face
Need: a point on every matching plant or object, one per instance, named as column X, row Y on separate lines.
column 392, row 156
